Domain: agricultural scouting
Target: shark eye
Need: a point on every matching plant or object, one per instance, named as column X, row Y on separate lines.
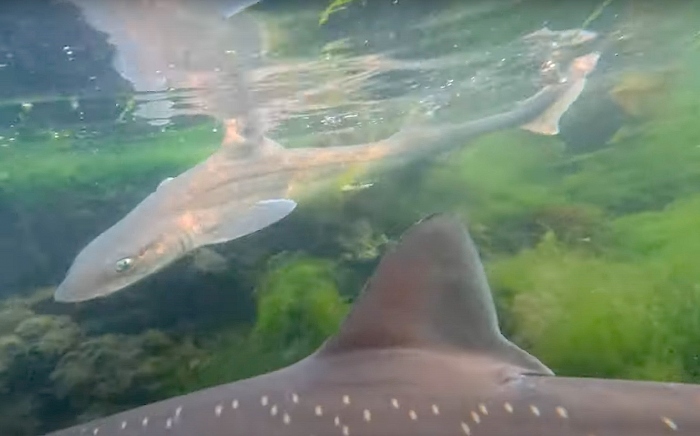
column 123, row 264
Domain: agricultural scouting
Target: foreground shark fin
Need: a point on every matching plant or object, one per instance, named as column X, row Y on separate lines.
column 262, row 214
column 430, row 292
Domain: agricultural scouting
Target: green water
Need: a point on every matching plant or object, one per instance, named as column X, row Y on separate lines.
column 589, row 238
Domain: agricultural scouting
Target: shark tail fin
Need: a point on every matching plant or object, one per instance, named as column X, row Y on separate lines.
column 430, row 292
column 548, row 122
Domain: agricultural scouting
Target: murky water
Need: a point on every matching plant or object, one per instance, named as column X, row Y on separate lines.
column 602, row 215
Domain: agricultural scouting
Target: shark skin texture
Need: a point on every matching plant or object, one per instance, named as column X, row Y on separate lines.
column 420, row 353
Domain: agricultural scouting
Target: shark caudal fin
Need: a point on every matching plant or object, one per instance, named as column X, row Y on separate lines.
column 548, row 122
column 430, row 292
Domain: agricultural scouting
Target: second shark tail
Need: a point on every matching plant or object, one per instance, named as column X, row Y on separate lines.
column 547, row 123
column 539, row 113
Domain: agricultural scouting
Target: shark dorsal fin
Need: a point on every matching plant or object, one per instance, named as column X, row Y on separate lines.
column 430, row 292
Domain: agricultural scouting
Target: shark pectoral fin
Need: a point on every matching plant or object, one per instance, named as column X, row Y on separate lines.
column 237, row 223
column 430, row 292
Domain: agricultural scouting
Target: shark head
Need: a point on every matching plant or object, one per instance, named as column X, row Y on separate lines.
column 119, row 257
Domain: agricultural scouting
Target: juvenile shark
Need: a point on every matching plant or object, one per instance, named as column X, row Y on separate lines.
column 252, row 182
column 421, row 353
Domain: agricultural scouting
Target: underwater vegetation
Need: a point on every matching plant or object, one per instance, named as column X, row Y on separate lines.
column 289, row 313
column 32, row 168
column 592, row 256
column 53, row 371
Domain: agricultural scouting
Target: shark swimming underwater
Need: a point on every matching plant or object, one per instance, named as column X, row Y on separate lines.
column 252, row 182
column 420, row 353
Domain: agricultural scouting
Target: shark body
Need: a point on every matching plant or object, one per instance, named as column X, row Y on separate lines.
column 249, row 184
column 421, row 353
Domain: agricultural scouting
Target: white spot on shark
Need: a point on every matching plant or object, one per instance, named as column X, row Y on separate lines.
column 346, row 399
column 395, row 403
column 476, row 417
column 234, row 404
column 508, row 407
column 346, row 430
column 670, row 423
column 178, row 411
column 286, row 418
column 319, row 410
column 273, row 410
column 535, row 411
column 144, row 422
column 169, row 423
column 562, row 412
column 123, row 425
column 218, row 409
column 264, row 400
column 336, row 421
column 412, row 414
column 436, row 410
column 367, row 415
column 465, row 428
column 96, row 430
column 295, row 398
column 483, row 409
